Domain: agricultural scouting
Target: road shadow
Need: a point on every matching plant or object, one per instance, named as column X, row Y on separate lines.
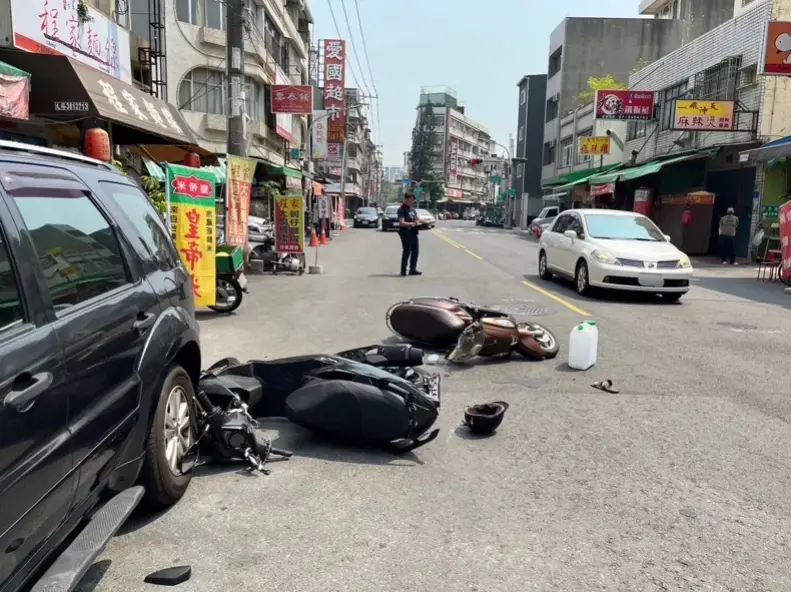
column 463, row 432
column 385, row 275
column 306, row 444
column 747, row 288
column 93, row 576
column 565, row 288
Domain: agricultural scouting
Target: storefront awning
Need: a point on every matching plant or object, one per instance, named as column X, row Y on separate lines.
column 572, row 176
column 584, row 179
column 768, row 152
column 648, row 168
column 62, row 88
column 281, row 170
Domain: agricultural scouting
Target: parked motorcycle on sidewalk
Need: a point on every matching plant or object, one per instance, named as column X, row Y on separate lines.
column 468, row 330
column 231, row 283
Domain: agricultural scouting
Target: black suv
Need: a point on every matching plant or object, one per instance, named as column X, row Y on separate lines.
column 99, row 359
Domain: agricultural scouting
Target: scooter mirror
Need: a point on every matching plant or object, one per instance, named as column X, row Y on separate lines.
column 468, row 345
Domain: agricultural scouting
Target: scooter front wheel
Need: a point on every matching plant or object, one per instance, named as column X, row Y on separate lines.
column 231, row 293
column 537, row 342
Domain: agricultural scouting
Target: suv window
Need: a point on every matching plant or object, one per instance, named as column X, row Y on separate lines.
column 561, row 223
column 148, row 222
column 10, row 301
column 77, row 249
column 391, row 210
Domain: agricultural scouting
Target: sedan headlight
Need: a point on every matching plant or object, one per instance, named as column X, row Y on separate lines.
column 605, row 257
column 684, row 262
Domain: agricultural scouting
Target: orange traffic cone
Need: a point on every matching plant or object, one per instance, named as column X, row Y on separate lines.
column 314, row 241
column 323, row 240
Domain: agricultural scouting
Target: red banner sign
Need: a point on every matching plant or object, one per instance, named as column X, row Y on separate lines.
column 453, row 164
column 296, row 100
column 335, row 89
column 785, row 238
column 192, row 186
column 625, row 105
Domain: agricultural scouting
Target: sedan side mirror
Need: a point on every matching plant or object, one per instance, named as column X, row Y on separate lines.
column 572, row 234
column 667, row 238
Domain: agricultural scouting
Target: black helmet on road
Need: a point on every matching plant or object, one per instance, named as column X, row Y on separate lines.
column 485, row 418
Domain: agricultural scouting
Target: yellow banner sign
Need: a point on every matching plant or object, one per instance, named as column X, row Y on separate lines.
column 699, row 115
column 594, row 145
column 239, row 180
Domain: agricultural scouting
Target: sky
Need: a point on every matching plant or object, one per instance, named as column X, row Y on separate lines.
column 480, row 48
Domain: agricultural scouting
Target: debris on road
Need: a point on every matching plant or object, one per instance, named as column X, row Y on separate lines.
column 485, row 418
column 170, row 576
column 606, row 386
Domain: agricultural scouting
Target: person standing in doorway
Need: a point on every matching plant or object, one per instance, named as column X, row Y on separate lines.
column 408, row 223
column 728, row 225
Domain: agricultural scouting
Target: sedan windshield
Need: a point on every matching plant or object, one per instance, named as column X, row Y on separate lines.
column 391, row 210
column 623, row 228
column 366, row 212
column 424, row 213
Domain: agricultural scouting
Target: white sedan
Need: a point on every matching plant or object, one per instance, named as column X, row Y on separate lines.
column 614, row 250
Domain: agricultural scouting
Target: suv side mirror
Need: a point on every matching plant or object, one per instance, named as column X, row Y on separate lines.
column 668, row 238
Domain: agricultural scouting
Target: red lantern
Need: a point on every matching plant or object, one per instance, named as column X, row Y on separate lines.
column 191, row 159
column 686, row 217
column 97, row 144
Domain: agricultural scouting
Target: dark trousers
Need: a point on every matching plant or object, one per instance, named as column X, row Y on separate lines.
column 410, row 248
column 728, row 248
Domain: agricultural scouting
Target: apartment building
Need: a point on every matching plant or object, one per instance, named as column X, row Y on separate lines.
column 580, row 48
column 458, row 140
column 526, row 178
column 276, row 52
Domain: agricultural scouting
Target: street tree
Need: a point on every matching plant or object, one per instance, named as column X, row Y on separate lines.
column 423, row 141
column 606, row 82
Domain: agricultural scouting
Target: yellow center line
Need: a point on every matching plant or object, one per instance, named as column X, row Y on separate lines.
column 557, row 299
column 473, row 254
column 448, row 240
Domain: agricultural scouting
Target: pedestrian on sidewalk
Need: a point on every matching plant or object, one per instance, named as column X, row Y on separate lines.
column 728, row 225
column 408, row 231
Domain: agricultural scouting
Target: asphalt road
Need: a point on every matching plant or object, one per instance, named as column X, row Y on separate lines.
column 680, row 482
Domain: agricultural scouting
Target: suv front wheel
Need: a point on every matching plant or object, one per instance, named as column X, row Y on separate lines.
column 171, row 433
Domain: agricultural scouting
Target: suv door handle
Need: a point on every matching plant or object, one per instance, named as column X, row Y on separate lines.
column 144, row 321
column 20, row 399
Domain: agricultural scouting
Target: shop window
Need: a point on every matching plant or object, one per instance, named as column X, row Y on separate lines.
column 668, row 97
column 521, row 133
column 551, row 110
column 202, row 13
column 636, row 130
column 582, row 158
column 76, row 246
column 549, row 153
column 203, row 90
column 555, row 62
column 520, row 170
column 255, row 99
column 566, row 151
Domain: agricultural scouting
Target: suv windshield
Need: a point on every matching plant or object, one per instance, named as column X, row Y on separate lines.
column 423, row 213
column 548, row 213
column 623, row 228
column 367, row 211
column 391, row 210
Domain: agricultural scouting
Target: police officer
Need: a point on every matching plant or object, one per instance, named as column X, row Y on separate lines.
column 408, row 223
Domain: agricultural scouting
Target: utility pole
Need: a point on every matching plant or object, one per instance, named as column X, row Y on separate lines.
column 344, row 162
column 235, row 58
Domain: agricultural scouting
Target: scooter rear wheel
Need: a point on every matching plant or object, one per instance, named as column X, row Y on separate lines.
column 227, row 307
column 546, row 341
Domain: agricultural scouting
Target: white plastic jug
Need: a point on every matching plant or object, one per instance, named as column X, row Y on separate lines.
column 583, row 345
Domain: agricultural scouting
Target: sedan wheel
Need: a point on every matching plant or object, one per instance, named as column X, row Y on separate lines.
column 543, row 271
column 581, row 279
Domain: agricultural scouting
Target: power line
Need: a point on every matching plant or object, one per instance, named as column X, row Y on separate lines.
column 338, row 31
column 368, row 64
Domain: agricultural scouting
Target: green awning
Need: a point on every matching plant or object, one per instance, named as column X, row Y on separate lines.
column 217, row 171
column 154, row 170
column 281, row 170
column 584, row 179
column 10, row 70
column 573, row 176
column 648, row 168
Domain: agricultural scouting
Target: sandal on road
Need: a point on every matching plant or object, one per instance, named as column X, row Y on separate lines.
column 606, row 386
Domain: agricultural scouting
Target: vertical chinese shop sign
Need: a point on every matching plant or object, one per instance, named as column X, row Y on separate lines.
column 335, row 89
column 190, row 194
column 289, row 224
column 239, row 183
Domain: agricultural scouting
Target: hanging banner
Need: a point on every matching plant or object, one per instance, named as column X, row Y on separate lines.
column 324, row 207
column 624, row 105
column 319, row 135
column 453, row 162
column 239, row 181
column 594, row 145
column 700, row 115
column 289, row 225
column 190, row 197
column 777, row 49
column 292, row 99
column 14, row 96
column 282, row 120
column 335, row 88
column 784, row 219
